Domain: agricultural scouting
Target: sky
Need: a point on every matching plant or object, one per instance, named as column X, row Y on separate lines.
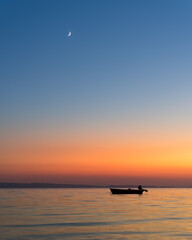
column 110, row 104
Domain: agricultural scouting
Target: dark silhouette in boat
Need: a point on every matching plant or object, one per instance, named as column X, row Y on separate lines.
column 140, row 190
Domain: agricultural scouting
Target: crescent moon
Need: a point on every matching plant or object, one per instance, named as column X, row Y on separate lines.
column 69, row 34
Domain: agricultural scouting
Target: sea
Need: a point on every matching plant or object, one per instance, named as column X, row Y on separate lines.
column 94, row 213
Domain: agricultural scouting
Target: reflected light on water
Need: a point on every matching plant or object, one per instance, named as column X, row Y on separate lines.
column 95, row 214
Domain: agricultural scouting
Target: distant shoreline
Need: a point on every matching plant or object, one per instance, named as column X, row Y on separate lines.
column 55, row 185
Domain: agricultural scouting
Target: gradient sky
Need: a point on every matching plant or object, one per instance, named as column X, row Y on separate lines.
column 109, row 104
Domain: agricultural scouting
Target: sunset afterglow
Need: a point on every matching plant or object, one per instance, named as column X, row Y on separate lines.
column 108, row 104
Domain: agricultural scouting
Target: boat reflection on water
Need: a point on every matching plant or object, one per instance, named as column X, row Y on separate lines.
column 140, row 190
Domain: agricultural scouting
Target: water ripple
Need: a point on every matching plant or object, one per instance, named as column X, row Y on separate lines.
column 95, row 214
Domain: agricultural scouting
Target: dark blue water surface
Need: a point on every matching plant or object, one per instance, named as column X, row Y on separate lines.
column 95, row 214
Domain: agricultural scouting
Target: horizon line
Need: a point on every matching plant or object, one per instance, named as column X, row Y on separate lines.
column 68, row 185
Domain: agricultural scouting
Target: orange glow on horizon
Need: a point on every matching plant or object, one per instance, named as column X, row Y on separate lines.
column 98, row 158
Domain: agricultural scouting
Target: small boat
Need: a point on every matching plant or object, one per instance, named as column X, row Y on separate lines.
column 127, row 191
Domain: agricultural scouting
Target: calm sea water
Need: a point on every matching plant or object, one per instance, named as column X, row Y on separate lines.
column 95, row 214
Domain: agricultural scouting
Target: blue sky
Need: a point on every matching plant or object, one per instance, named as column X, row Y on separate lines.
column 127, row 63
